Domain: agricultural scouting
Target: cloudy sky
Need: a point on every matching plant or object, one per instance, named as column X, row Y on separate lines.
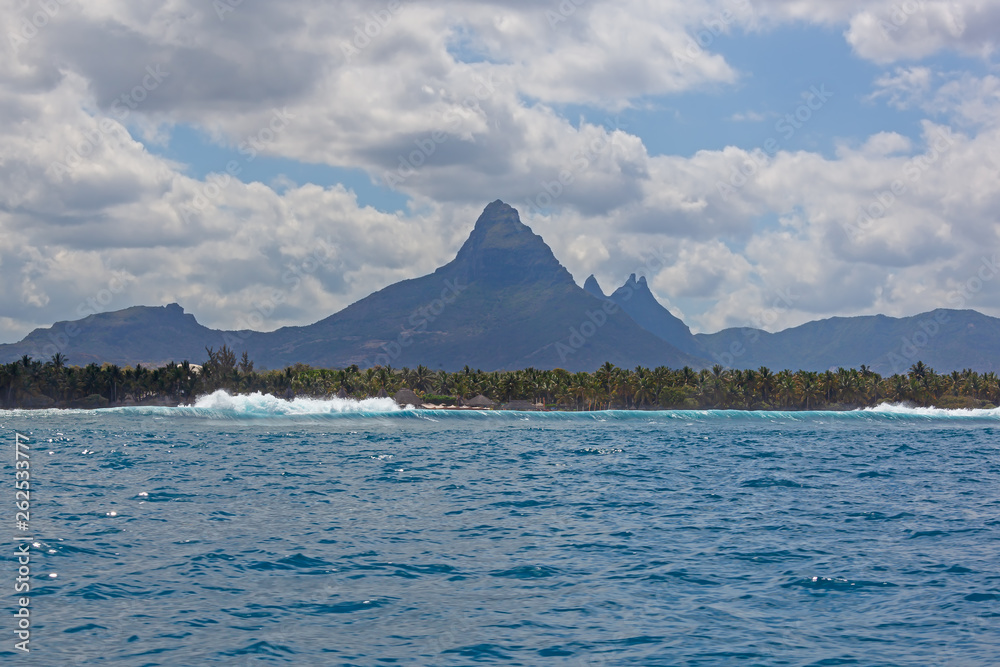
column 763, row 162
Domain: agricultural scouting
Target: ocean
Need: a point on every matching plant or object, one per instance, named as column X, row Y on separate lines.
column 257, row 531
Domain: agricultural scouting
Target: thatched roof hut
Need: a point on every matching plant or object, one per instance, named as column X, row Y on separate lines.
column 406, row 397
column 342, row 393
column 479, row 401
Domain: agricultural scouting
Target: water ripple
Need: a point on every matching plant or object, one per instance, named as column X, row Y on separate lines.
column 213, row 535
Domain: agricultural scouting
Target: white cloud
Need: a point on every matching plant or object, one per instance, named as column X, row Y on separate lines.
column 905, row 88
column 960, row 96
column 969, row 99
column 473, row 93
column 912, row 29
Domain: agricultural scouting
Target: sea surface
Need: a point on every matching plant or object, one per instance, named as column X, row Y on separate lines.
column 255, row 531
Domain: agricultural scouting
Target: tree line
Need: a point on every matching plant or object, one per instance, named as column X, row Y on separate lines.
column 30, row 383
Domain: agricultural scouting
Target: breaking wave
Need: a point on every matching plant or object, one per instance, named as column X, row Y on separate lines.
column 223, row 405
column 909, row 410
column 265, row 405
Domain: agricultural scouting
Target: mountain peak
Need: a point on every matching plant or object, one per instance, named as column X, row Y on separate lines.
column 592, row 287
column 636, row 299
column 504, row 250
column 496, row 212
column 636, row 288
column 636, row 283
column 499, row 220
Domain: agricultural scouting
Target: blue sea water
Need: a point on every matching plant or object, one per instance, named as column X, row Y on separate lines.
column 255, row 531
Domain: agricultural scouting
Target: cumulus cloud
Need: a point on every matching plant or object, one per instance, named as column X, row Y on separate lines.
column 911, row 29
column 456, row 104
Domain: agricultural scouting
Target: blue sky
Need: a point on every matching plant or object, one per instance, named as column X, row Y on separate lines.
column 774, row 75
column 117, row 192
column 202, row 156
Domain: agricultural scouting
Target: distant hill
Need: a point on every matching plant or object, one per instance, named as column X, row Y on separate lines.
column 147, row 335
column 945, row 340
column 635, row 299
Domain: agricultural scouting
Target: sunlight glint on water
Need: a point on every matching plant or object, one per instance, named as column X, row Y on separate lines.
column 250, row 530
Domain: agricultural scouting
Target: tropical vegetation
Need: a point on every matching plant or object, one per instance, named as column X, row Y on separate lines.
column 30, row 383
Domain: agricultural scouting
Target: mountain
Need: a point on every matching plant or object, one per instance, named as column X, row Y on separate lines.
column 591, row 287
column 504, row 302
column 639, row 303
column 945, row 340
column 151, row 336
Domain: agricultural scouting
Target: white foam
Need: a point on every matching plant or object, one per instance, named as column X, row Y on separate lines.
column 258, row 404
column 906, row 409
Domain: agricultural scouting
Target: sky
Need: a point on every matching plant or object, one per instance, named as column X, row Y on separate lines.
column 763, row 163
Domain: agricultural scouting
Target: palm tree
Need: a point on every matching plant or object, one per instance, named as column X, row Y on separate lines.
column 810, row 388
column 972, row 385
column 12, row 379
column 850, row 387
column 788, row 388
column 114, row 377
column 442, row 383
column 645, row 392
column 829, row 384
column 421, row 378
column 510, row 387
column 990, row 387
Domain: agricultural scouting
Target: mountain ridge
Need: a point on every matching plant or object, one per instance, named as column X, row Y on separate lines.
column 136, row 332
column 504, row 302
column 943, row 339
column 636, row 299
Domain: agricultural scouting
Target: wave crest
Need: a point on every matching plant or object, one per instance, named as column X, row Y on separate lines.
column 266, row 405
column 910, row 410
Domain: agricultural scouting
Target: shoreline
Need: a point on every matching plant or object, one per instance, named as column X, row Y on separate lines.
column 464, row 408
column 31, row 385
